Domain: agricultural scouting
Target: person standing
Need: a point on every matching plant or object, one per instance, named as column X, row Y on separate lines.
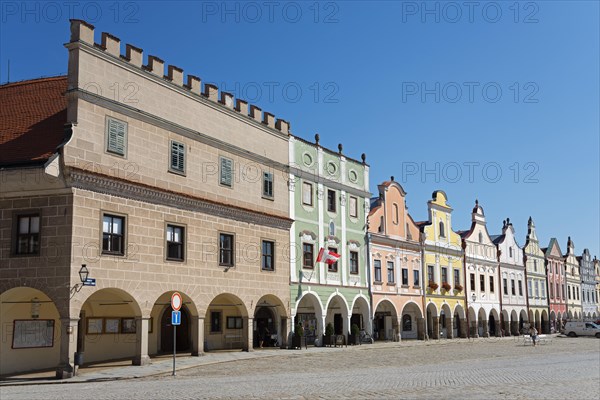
column 533, row 333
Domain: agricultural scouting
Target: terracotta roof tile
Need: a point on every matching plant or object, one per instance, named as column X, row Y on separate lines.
column 32, row 118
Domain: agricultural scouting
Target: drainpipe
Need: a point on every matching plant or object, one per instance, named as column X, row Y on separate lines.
column 464, row 246
column 370, row 286
column 499, row 252
column 422, row 240
column 527, row 288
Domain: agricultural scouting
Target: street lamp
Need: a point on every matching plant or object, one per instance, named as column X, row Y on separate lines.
column 85, row 281
column 83, row 273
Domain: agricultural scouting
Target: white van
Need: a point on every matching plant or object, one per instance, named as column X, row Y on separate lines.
column 581, row 329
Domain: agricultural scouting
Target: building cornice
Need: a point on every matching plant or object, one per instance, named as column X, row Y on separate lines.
column 93, row 182
column 312, row 177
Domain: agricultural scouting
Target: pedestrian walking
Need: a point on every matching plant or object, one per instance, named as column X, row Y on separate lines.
column 533, row 333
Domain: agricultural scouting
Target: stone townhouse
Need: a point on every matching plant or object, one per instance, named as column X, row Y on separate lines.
column 442, row 271
column 481, row 275
column 396, row 269
column 597, row 276
column 513, row 300
column 588, row 286
column 163, row 187
column 573, row 277
column 555, row 269
column 535, row 270
column 329, row 202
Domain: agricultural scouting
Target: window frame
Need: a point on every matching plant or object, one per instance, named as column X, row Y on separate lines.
column 222, row 181
column 333, row 268
column 308, row 185
column 353, row 208
column 231, row 251
column 430, row 273
column 264, row 257
column 181, row 244
column 312, row 255
column 354, row 271
column 456, row 277
column 377, row 271
column 491, row 283
column 107, row 148
column 219, row 324
column 123, row 235
column 268, row 181
column 482, row 283
column 416, row 278
column 172, row 169
column 404, row 276
column 16, row 218
column 331, row 201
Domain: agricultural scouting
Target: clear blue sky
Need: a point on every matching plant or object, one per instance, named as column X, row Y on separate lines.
column 369, row 74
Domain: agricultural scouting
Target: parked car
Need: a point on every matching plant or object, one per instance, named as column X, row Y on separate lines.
column 574, row 329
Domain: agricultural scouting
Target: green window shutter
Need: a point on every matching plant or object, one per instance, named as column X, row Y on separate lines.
column 117, row 132
column 226, row 171
column 177, row 156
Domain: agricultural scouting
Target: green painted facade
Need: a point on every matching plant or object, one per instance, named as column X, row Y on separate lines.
column 329, row 202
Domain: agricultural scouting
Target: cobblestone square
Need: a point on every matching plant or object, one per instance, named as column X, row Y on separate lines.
column 566, row 368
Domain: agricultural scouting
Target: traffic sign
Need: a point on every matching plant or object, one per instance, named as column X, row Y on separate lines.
column 175, row 317
column 176, row 301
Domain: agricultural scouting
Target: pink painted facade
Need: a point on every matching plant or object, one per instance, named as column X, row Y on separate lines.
column 395, row 266
column 555, row 269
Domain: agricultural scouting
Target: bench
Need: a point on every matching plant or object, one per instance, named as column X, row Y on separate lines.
column 541, row 339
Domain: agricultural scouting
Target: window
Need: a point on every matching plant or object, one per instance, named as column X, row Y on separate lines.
column 530, row 287
column 406, row 323
column 234, row 323
column 505, row 284
column 563, row 290
column 543, row 286
column 215, row 321
column 491, row 284
column 332, row 267
column 512, row 287
column 430, row 276
column 226, row 172
column 267, row 184
column 307, row 194
column 456, row 277
column 482, row 283
column 416, row 280
column 444, row 274
column 480, row 237
column 442, row 231
column 520, row 284
column 268, row 255
column 28, row 234
column 537, row 288
column 377, row 267
column 395, row 213
column 381, row 225
column 226, row 249
column 177, row 157
column 331, row 206
column 551, row 291
column 354, row 262
column 353, row 206
column 510, row 252
column 331, row 228
column 175, row 240
column 405, row 276
column 472, row 282
column 535, row 265
column 116, row 136
column 307, row 255
column 113, row 237
column 390, row 272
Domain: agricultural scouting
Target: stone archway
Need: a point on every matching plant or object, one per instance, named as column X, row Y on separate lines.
column 482, row 323
column 361, row 314
column 505, row 322
column 108, row 327
column 31, row 327
column 473, row 331
column 445, row 322
column 493, row 323
column 522, row 319
column 309, row 314
column 459, row 328
column 188, row 335
column 432, row 323
column 514, row 323
column 412, row 323
column 226, row 324
column 385, row 321
column 337, row 315
column 270, row 322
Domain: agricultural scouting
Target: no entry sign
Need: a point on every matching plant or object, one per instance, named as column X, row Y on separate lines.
column 176, row 301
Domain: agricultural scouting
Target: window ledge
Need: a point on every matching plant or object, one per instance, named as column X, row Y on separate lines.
column 391, row 283
column 270, row 198
column 405, row 286
column 176, row 172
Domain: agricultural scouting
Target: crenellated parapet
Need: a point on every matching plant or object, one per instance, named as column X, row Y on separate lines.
column 82, row 31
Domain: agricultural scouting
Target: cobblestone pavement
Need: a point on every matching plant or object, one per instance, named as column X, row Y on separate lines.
column 567, row 368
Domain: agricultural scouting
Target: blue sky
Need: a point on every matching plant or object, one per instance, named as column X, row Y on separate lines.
column 499, row 102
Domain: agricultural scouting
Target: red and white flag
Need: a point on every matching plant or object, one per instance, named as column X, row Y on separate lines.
column 328, row 256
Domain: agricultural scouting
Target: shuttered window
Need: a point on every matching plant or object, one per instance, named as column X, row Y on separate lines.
column 116, row 136
column 267, row 184
column 177, row 156
column 226, row 172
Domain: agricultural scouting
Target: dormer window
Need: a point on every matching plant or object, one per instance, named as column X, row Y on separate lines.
column 442, row 231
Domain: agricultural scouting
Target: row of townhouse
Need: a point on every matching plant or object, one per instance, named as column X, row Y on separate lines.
column 121, row 185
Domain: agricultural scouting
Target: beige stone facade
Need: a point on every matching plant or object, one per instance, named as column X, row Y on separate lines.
column 188, row 162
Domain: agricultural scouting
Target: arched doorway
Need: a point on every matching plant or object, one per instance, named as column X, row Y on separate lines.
column 482, row 323
column 432, row 321
column 412, row 322
column 445, row 322
column 553, row 324
column 504, row 323
column 473, row 331
column 522, row 319
column 168, row 333
column 384, row 321
column 31, row 331
column 360, row 314
column 270, row 322
column 537, row 321
column 459, row 324
column 337, row 315
column 493, row 328
column 226, row 323
column 309, row 314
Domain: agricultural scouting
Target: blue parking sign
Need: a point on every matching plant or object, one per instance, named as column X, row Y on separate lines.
column 175, row 317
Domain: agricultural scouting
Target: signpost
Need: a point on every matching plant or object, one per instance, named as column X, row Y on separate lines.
column 176, row 302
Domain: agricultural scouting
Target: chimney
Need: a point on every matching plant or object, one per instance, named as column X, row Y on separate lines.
column 156, row 66
column 111, row 44
column 81, row 30
column 134, row 55
column 175, row 75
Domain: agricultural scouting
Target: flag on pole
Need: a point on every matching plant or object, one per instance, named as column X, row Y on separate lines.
column 328, row 256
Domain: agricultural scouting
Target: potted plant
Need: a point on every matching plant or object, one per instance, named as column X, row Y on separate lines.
column 446, row 286
column 298, row 340
column 458, row 288
column 329, row 339
column 433, row 285
column 355, row 335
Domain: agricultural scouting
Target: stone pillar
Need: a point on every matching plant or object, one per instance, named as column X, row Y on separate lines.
column 247, row 337
column 449, row 327
column 283, row 331
column 486, row 328
column 197, row 336
column 321, row 331
column 421, row 328
column 463, row 328
column 68, row 347
column 141, row 343
column 398, row 337
column 514, row 328
column 435, row 327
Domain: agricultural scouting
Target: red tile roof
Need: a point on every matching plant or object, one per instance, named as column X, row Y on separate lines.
column 32, row 118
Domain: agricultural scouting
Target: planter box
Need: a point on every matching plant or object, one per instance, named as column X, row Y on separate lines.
column 354, row 340
column 298, row 342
